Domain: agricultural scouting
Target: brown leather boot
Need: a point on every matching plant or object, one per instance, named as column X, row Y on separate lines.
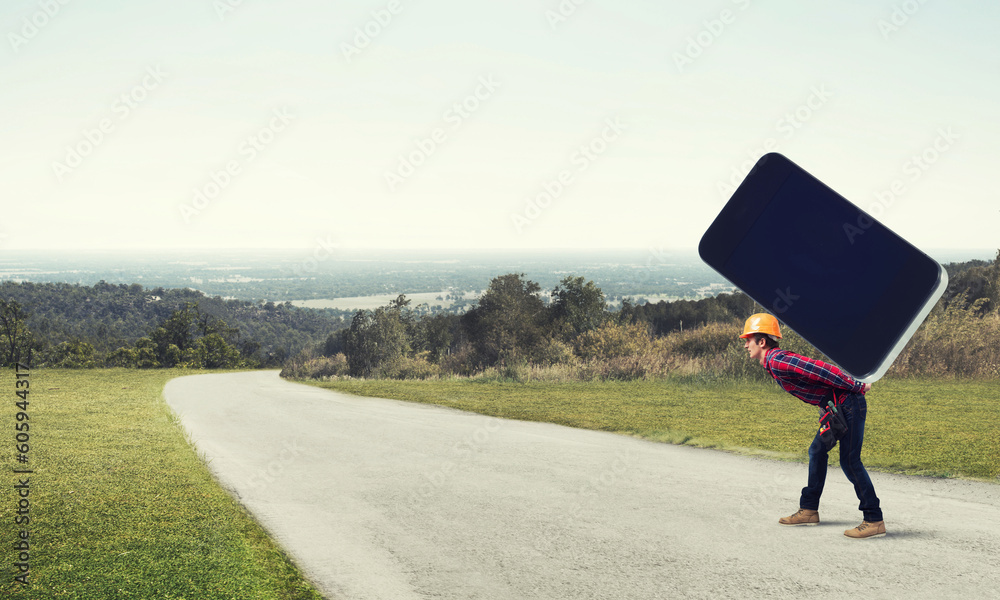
column 867, row 530
column 803, row 516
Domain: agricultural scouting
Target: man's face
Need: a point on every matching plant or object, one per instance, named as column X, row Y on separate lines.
column 755, row 346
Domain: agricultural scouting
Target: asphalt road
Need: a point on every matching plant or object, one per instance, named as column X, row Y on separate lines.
column 390, row 500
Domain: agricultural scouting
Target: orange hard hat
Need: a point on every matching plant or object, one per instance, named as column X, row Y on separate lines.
column 761, row 323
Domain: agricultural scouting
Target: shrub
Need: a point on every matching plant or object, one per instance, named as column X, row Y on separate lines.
column 558, row 373
column 709, row 341
column 461, row 362
column 734, row 363
column 509, row 372
column 324, row 367
column 125, row 356
column 954, row 341
column 716, row 351
column 411, row 368
column 553, row 352
column 209, row 352
column 623, row 367
column 615, row 340
column 142, row 356
column 73, row 355
column 329, row 366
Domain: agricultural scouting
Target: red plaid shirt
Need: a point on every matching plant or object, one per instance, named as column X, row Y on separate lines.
column 808, row 379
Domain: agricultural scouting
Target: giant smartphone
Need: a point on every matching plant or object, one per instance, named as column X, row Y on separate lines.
column 831, row 272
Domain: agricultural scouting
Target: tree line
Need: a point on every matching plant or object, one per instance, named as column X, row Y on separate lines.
column 72, row 325
column 512, row 327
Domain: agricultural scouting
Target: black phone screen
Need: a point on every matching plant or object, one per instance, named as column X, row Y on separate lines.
column 839, row 278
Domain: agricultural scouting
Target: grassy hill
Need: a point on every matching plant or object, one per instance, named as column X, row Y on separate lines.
column 120, row 504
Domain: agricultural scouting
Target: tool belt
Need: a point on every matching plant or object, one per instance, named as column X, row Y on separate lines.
column 832, row 424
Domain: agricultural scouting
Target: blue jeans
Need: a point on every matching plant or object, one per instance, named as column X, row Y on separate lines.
column 855, row 410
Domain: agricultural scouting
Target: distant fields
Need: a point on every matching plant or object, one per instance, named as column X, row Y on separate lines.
column 372, row 302
column 942, row 428
column 121, row 506
column 428, row 298
column 298, row 274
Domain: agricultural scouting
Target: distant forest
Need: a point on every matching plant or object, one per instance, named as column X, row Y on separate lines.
column 511, row 324
column 75, row 325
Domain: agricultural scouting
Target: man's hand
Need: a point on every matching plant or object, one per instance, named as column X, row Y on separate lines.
column 867, row 387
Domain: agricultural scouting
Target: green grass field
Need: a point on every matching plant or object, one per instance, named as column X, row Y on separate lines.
column 121, row 506
column 940, row 428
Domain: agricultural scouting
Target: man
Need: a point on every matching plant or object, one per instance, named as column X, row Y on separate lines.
column 814, row 382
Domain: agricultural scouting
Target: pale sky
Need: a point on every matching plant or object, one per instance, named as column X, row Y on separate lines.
column 474, row 124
